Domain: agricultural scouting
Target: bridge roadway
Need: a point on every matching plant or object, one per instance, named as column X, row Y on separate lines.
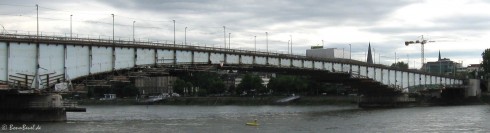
column 60, row 58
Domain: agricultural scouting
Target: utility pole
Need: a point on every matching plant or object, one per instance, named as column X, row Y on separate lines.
column 322, row 44
column 229, row 40
column 288, row 45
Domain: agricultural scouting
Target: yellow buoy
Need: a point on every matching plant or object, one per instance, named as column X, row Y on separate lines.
column 254, row 123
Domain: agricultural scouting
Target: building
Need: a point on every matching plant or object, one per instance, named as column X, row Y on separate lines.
column 265, row 79
column 442, row 66
column 474, row 67
column 320, row 52
column 155, row 85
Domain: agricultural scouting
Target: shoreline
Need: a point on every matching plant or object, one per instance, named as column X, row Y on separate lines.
column 269, row 100
column 245, row 101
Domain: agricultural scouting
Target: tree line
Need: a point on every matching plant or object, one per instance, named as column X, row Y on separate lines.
column 212, row 84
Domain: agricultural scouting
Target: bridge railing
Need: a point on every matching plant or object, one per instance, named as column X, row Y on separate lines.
column 119, row 41
column 108, row 40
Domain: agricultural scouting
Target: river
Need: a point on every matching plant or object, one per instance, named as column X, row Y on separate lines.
column 162, row 118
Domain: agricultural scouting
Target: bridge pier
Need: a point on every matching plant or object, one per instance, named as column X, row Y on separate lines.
column 34, row 107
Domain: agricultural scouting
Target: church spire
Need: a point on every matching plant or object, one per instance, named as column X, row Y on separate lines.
column 439, row 55
column 369, row 56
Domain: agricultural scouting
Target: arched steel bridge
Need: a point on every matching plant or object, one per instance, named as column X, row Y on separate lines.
column 22, row 56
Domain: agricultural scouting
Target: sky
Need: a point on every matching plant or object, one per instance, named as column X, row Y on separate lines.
column 459, row 28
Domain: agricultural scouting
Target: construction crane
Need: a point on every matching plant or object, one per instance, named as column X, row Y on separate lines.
column 422, row 42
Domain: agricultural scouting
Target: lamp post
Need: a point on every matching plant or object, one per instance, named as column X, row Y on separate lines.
column 350, row 51
column 408, row 61
column 288, row 45
column 36, row 76
column 37, row 22
column 185, row 36
column 133, row 31
column 224, row 35
column 395, row 58
column 291, row 38
column 113, row 41
column 71, row 27
column 374, row 56
column 174, row 32
column 229, row 40
column 255, row 47
column 350, row 58
column 343, row 53
column 267, row 42
column 379, row 58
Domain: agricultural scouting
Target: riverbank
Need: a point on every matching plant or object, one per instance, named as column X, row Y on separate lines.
column 316, row 100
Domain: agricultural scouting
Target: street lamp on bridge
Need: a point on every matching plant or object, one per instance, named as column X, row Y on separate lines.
column 174, row 32
column 224, row 36
column 113, row 41
column 267, row 42
column 255, row 46
column 291, row 38
column 185, row 36
column 229, row 40
column 71, row 27
column 350, row 51
column 133, row 31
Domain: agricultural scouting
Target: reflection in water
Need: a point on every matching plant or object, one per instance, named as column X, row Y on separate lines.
column 274, row 119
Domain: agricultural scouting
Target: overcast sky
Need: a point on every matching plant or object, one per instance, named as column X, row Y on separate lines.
column 460, row 28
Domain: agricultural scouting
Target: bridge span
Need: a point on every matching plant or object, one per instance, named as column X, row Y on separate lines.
column 60, row 58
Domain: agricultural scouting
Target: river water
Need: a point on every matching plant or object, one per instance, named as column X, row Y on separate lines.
column 162, row 118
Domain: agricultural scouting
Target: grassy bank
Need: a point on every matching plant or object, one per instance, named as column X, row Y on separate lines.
column 320, row 100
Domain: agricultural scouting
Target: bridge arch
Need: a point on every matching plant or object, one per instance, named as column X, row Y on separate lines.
column 20, row 55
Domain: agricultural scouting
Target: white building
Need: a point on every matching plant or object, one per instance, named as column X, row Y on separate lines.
column 328, row 53
column 266, row 80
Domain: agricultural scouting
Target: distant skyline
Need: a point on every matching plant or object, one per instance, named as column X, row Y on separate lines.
column 460, row 28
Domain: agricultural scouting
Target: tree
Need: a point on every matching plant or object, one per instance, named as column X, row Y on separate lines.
column 251, row 83
column 288, row 84
column 207, row 83
column 485, row 64
column 179, row 86
column 400, row 64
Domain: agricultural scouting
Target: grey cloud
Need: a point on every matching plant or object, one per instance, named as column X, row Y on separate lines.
column 274, row 11
column 462, row 24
